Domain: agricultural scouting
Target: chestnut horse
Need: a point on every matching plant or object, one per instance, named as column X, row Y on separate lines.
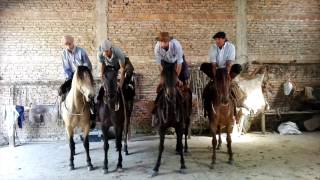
column 220, row 109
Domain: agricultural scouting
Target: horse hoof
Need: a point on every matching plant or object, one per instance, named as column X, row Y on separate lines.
column 126, row 153
column 90, row 168
column 71, row 167
column 154, row 174
column 119, row 170
column 212, row 166
column 218, row 148
column 231, row 162
column 105, row 171
column 183, row 171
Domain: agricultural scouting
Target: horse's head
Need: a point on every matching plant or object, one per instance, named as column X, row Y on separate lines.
column 169, row 76
column 83, row 82
column 222, row 82
column 110, row 86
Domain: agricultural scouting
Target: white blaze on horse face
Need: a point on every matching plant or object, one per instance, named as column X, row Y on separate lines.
column 86, row 88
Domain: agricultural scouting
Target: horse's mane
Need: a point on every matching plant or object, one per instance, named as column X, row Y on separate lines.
column 221, row 78
column 169, row 74
column 81, row 70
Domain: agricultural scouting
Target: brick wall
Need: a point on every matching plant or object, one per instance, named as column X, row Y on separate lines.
column 283, row 31
column 30, row 33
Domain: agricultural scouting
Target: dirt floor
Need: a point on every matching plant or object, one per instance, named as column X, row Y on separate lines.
column 257, row 156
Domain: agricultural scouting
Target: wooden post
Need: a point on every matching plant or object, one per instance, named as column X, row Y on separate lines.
column 12, row 135
column 263, row 123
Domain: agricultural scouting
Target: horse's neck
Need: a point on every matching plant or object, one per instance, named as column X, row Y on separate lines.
column 75, row 100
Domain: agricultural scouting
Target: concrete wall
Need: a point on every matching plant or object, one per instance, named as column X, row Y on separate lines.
column 263, row 31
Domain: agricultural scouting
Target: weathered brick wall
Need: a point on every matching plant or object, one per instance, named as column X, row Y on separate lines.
column 30, row 34
column 283, row 31
column 30, row 53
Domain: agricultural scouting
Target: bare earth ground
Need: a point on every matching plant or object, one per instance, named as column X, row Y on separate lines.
column 257, row 156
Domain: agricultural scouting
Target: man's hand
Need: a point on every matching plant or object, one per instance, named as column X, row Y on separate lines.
column 119, row 85
column 179, row 83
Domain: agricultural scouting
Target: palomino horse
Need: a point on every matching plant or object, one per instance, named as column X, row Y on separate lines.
column 168, row 113
column 220, row 110
column 111, row 112
column 76, row 112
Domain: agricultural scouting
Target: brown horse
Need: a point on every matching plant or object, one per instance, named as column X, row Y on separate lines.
column 168, row 113
column 76, row 112
column 220, row 109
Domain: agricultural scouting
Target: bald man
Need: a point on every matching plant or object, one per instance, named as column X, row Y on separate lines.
column 72, row 57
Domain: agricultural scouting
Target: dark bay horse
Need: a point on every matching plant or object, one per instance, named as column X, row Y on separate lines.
column 111, row 112
column 76, row 112
column 169, row 113
column 220, row 109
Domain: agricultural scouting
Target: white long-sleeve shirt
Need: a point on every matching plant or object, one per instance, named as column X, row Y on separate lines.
column 172, row 55
column 221, row 56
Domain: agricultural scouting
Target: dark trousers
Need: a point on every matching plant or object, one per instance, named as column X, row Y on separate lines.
column 64, row 89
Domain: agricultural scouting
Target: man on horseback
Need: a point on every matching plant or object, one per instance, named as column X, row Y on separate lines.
column 114, row 59
column 169, row 50
column 221, row 56
column 72, row 57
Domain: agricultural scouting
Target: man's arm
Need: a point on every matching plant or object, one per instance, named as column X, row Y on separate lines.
column 179, row 57
column 228, row 65
column 214, row 68
column 122, row 61
column 101, row 59
column 157, row 56
column 231, row 57
column 66, row 67
column 102, row 70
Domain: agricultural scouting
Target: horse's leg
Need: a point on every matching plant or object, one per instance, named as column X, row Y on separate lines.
column 128, row 110
column 219, row 134
column 119, row 131
column 86, row 145
column 186, row 132
column 71, row 146
column 214, row 144
column 161, row 148
column 105, row 147
column 229, row 130
column 179, row 131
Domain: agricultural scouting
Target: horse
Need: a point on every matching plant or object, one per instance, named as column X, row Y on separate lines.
column 169, row 113
column 220, row 109
column 75, row 110
column 111, row 109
